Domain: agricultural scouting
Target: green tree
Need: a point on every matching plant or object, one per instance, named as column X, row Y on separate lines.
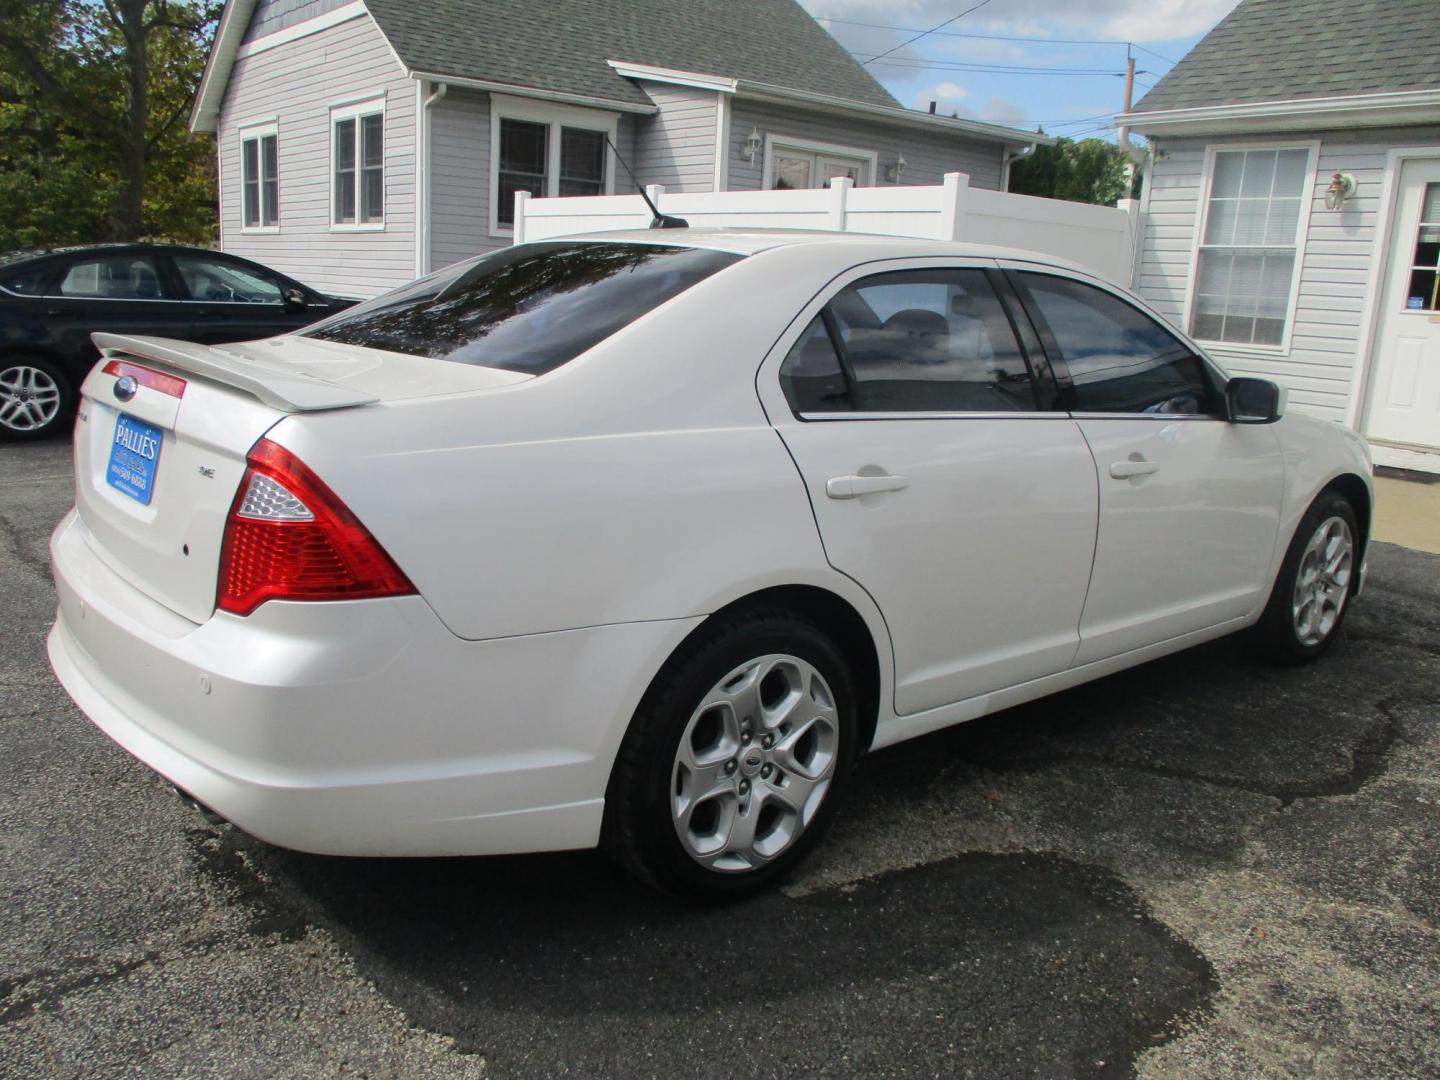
column 1091, row 171
column 93, row 102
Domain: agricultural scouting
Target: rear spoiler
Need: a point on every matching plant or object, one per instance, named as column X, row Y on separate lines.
column 289, row 391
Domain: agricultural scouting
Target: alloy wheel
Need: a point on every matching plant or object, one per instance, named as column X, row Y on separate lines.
column 1322, row 581
column 29, row 398
column 754, row 763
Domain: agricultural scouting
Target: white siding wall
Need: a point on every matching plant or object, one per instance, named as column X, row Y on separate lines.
column 676, row 147
column 1338, row 248
column 295, row 84
column 460, row 175
column 928, row 156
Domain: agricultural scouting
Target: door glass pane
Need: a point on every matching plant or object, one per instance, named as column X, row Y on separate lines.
column 225, row 282
column 115, row 277
column 1120, row 359
column 792, row 172
column 582, row 162
column 931, row 341
column 1423, row 295
column 523, row 158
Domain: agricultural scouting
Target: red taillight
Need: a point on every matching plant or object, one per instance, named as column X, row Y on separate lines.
column 155, row 380
column 289, row 537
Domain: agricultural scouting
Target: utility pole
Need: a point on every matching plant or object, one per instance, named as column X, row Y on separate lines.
column 1123, row 135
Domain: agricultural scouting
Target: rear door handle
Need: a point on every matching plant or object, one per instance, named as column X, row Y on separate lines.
column 1126, row 470
column 852, row 487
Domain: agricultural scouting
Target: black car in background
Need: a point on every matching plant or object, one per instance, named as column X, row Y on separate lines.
column 51, row 302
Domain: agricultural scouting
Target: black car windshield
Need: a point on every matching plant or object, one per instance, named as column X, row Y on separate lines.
column 529, row 308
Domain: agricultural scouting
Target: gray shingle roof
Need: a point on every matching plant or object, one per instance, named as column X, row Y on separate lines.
column 563, row 45
column 1276, row 50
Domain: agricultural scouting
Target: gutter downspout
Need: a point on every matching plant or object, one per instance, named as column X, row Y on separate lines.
column 422, row 180
column 1011, row 158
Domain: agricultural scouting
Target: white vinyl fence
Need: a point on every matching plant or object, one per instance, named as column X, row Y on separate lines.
column 1100, row 237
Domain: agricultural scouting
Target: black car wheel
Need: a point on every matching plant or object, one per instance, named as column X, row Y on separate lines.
column 36, row 398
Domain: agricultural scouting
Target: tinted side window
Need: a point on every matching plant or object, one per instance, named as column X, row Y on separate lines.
column 221, row 281
column 930, row 341
column 1120, row 359
column 28, row 280
column 811, row 375
column 114, row 277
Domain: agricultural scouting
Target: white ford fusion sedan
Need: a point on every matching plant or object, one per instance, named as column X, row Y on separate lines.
column 641, row 539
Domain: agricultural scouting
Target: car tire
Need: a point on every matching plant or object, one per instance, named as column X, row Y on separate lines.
column 37, row 399
column 1312, row 591
column 736, row 759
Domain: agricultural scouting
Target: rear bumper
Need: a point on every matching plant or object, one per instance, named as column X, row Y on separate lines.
column 357, row 728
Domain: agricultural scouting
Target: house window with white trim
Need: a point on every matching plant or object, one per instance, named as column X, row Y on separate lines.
column 358, row 165
column 549, row 151
column 796, row 163
column 1245, row 271
column 260, row 178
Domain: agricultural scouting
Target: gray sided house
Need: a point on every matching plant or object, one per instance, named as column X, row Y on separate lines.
column 1292, row 211
column 362, row 143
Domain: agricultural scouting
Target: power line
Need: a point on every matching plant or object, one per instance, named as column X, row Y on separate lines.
column 1003, row 69
column 1155, row 54
column 925, row 33
column 991, row 37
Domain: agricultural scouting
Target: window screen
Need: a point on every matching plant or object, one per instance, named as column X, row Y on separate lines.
column 1247, row 255
column 524, row 150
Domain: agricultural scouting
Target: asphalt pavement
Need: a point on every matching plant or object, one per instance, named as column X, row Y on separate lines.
column 1203, row 867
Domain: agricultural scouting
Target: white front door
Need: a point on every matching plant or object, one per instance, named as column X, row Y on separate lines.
column 1405, row 386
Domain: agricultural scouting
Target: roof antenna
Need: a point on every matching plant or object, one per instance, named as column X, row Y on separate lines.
column 659, row 221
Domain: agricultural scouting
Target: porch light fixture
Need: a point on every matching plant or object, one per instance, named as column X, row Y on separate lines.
column 753, row 144
column 1342, row 187
column 892, row 172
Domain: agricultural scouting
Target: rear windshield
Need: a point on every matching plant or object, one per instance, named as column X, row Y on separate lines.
column 527, row 309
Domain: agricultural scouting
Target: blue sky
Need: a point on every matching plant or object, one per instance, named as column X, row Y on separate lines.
column 1062, row 71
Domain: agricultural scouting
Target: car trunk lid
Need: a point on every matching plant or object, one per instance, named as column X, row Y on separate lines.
column 164, row 428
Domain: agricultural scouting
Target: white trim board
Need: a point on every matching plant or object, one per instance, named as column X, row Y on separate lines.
column 1393, row 108
column 1401, row 457
column 296, row 31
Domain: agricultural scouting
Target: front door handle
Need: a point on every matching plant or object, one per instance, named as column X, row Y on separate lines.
column 1127, row 470
column 852, row 487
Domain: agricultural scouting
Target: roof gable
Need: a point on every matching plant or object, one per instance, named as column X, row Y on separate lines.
column 1283, row 50
column 564, row 46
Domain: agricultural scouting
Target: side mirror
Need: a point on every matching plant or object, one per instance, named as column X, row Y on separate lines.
column 295, row 299
column 1254, row 401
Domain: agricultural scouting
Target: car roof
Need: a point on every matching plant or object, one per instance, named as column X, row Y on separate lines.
column 742, row 241
column 11, row 258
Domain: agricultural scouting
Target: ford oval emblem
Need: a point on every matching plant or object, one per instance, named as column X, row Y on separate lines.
column 126, row 387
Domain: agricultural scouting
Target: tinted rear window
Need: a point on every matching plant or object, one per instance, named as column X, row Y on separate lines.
column 527, row 309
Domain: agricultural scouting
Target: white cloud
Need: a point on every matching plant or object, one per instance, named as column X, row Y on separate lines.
column 947, row 97
column 1130, row 20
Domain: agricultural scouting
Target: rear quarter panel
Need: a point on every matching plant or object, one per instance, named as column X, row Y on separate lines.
column 641, row 481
